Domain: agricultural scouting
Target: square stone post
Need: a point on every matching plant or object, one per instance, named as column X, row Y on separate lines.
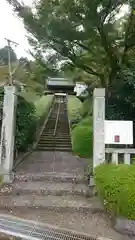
column 98, row 126
column 8, row 133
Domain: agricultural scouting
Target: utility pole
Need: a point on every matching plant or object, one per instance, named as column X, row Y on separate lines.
column 9, row 59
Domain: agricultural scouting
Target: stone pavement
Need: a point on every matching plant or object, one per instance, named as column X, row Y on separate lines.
column 50, row 187
column 59, row 162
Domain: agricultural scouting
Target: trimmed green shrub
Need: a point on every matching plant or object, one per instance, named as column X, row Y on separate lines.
column 82, row 138
column 86, row 108
column 74, row 107
column 116, row 187
column 88, row 121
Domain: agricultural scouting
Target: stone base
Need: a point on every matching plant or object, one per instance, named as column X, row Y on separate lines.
column 125, row 226
column 91, row 182
column 8, row 178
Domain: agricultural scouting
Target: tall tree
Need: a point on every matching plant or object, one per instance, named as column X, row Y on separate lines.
column 83, row 31
column 4, row 55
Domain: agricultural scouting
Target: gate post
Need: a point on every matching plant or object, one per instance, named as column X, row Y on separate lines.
column 8, row 133
column 98, row 126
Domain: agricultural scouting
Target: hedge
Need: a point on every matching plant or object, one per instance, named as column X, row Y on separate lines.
column 74, row 108
column 82, row 141
column 88, row 121
column 116, row 187
column 87, row 107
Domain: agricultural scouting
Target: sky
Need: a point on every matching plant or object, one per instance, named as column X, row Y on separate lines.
column 11, row 27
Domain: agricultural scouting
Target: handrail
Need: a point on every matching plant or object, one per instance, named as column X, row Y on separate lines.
column 54, row 133
column 120, row 150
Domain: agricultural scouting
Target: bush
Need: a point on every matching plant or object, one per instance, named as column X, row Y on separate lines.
column 116, row 187
column 86, row 108
column 88, row 121
column 74, row 106
column 82, row 138
column 25, row 123
column 42, row 108
column 30, row 116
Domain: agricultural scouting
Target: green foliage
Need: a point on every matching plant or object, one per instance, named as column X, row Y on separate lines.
column 82, row 138
column 121, row 102
column 4, row 55
column 88, row 33
column 115, row 185
column 30, row 116
column 88, row 121
column 86, row 108
column 25, row 123
column 74, row 107
column 30, row 96
column 42, row 106
column 82, row 135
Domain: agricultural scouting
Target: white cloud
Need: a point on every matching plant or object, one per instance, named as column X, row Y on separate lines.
column 11, row 27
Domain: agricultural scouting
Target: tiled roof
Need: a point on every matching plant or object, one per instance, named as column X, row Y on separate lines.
column 60, row 82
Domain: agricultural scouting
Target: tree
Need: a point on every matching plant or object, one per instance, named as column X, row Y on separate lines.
column 88, row 35
column 4, row 55
column 82, row 31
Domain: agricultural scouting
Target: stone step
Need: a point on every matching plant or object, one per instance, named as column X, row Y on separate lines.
column 59, row 135
column 45, row 140
column 40, row 188
column 52, row 176
column 51, row 137
column 62, row 144
column 60, row 139
column 56, row 137
column 51, row 148
column 54, row 146
column 68, row 203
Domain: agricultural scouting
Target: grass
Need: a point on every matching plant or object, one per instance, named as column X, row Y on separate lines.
column 30, row 96
column 116, row 188
column 87, row 107
column 87, row 121
column 82, row 134
column 74, row 108
column 31, row 116
column 82, row 138
column 43, row 105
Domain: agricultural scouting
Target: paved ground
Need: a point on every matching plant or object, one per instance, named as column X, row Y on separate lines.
column 61, row 163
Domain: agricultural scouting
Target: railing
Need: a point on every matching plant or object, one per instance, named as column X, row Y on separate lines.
column 115, row 152
column 54, row 133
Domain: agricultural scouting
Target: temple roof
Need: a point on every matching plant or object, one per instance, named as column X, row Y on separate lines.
column 60, row 82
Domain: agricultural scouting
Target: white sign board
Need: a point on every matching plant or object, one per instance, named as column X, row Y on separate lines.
column 118, row 132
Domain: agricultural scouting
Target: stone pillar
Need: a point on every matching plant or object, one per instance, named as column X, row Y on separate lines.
column 8, row 133
column 98, row 126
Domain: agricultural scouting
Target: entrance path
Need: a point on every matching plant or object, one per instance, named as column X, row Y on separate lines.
column 49, row 187
column 59, row 162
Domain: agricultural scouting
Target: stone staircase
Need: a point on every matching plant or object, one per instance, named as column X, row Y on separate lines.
column 48, row 191
column 56, row 135
column 62, row 200
column 49, row 185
